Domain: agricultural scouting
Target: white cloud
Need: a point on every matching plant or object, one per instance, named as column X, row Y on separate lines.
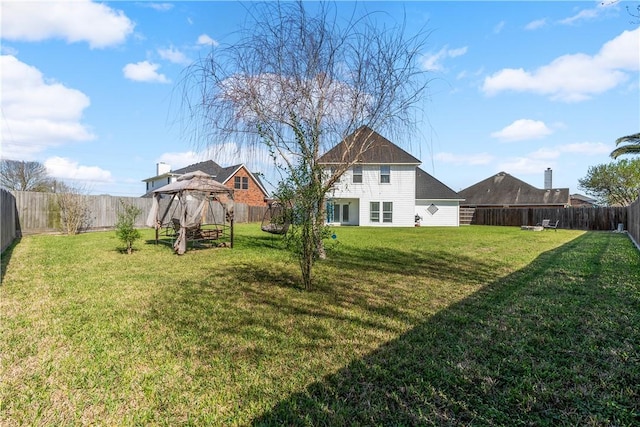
column 498, row 28
column 160, row 7
column 433, row 61
column 534, row 25
column 173, row 55
column 95, row 23
column 37, row 113
column 525, row 165
column 545, row 157
column 523, row 129
column 63, row 168
column 586, row 148
column 576, row 77
column 583, row 15
column 226, row 154
column 204, row 39
column 144, row 71
column 464, row 159
column 180, row 160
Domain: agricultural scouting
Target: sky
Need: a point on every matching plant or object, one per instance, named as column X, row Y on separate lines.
column 92, row 89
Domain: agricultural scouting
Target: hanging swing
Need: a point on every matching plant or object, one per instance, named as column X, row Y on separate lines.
column 276, row 219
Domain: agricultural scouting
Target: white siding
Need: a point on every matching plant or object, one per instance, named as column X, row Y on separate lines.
column 161, row 182
column 400, row 191
column 447, row 215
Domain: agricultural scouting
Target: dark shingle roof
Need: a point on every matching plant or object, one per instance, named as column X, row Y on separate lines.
column 503, row 189
column 218, row 173
column 209, row 167
column 369, row 147
column 427, row 187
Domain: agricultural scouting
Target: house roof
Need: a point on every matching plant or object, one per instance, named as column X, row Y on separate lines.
column 209, row 167
column 367, row 146
column 583, row 198
column 427, row 187
column 503, row 189
column 195, row 181
column 212, row 169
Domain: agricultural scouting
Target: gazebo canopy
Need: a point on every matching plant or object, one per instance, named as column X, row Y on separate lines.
column 197, row 182
column 195, row 186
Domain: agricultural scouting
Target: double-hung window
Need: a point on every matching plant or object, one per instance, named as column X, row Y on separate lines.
column 374, row 211
column 387, row 211
column 385, row 174
column 357, row 174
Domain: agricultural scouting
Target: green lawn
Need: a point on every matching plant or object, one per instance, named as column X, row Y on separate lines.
column 421, row 326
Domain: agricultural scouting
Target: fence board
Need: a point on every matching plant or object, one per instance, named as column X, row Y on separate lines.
column 39, row 212
column 633, row 221
column 8, row 228
column 602, row 218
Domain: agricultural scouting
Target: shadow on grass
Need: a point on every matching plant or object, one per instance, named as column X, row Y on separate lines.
column 6, row 258
column 556, row 343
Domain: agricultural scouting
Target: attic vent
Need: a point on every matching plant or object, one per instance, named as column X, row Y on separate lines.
column 432, row 209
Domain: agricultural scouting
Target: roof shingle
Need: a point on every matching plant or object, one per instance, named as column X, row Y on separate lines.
column 367, row 146
column 503, row 189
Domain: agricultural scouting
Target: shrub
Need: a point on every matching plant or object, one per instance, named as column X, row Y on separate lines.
column 125, row 226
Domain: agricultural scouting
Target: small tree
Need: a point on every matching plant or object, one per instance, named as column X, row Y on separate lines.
column 616, row 183
column 125, row 226
column 299, row 80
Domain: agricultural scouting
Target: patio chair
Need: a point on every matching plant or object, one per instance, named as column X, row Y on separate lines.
column 546, row 223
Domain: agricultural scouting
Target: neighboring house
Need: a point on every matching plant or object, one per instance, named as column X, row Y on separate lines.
column 385, row 187
column 505, row 191
column 248, row 188
column 580, row 201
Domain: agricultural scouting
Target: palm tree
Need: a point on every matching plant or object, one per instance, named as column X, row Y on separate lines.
column 632, row 148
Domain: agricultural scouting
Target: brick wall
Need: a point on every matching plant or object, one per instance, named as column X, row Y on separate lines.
column 253, row 196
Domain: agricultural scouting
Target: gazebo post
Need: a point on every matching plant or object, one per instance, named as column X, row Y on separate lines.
column 231, row 231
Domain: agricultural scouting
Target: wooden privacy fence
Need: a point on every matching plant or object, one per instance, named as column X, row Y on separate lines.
column 605, row 218
column 39, row 212
column 8, row 229
column 633, row 221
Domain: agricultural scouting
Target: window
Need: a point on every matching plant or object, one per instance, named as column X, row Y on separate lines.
column 387, row 211
column 345, row 213
column 357, row 174
column 241, row 182
column 385, row 174
column 374, row 211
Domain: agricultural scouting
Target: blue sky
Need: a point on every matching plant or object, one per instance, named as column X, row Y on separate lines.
column 92, row 89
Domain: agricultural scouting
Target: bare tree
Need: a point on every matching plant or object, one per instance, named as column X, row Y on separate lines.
column 298, row 81
column 24, row 176
column 74, row 208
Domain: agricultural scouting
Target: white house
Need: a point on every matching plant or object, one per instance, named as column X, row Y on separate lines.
column 385, row 186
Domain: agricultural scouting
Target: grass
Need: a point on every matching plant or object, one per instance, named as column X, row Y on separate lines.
column 424, row 326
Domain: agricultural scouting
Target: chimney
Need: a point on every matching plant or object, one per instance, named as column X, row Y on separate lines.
column 162, row 168
column 548, row 180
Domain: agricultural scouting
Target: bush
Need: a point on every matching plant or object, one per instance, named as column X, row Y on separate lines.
column 125, row 226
